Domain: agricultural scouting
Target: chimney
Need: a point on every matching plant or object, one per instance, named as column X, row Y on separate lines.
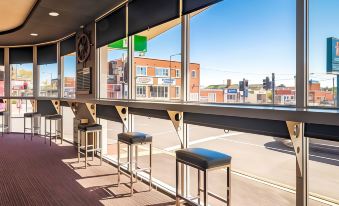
column 229, row 82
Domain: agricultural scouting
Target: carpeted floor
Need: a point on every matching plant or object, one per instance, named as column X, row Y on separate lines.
column 33, row 173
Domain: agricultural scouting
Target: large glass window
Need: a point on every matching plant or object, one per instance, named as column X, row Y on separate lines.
column 237, row 45
column 69, row 69
column 48, row 74
column 18, row 108
column 159, row 49
column 22, row 79
column 324, row 53
column 113, row 70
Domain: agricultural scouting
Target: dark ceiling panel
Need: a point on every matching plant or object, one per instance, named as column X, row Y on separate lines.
column 73, row 14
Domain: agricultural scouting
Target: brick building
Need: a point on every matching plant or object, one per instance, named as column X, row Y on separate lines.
column 155, row 79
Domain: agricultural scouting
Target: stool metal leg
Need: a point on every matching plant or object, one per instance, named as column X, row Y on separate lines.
column 118, row 150
column 177, row 203
column 50, row 132
column 229, row 185
column 94, row 135
column 150, row 167
column 24, row 127
column 100, row 143
column 205, row 188
column 136, row 162
column 32, row 127
column 45, row 130
column 62, row 130
column 86, row 145
column 131, row 167
column 3, row 125
column 199, row 186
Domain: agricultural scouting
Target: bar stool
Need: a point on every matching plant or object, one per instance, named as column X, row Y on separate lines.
column 33, row 128
column 4, row 126
column 134, row 139
column 93, row 129
column 57, row 133
column 203, row 160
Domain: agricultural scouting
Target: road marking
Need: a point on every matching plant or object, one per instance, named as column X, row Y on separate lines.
column 278, row 149
column 202, row 140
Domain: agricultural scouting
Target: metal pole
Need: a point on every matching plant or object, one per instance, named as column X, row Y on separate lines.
column 337, row 98
column 273, row 88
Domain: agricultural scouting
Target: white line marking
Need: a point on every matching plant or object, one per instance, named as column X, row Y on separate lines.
column 202, row 140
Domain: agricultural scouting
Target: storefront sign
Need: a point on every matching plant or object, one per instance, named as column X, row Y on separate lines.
column 332, row 55
column 232, row 91
column 144, row 80
column 166, row 81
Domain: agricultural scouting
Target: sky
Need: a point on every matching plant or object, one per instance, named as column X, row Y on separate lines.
column 251, row 39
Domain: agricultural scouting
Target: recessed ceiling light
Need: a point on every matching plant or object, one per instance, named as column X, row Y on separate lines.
column 53, row 13
column 34, row 34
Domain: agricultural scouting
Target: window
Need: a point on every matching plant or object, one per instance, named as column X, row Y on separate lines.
column 141, row 71
column 247, row 40
column 141, row 91
column 323, row 54
column 161, row 72
column 194, row 74
column 22, row 80
column 177, row 92
column 69, row 69
column 177, row 73
column 113, row 74
column 48, row 80
column 159, row 91
column 159, row 49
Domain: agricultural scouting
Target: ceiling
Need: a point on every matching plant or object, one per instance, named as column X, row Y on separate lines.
column 73, row 14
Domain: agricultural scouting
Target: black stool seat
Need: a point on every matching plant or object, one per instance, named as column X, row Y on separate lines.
column 32, row 114
column 134, row 138
column 203, row 158
column 54, row 117
column 3, row 113
column 89, row 127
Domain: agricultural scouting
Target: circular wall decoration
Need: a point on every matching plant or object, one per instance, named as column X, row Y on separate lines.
column 83, row 48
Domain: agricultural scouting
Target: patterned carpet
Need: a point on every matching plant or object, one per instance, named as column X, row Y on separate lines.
column 33, row 173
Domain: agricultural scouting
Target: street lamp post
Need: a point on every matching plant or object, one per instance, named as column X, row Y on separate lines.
column 170, row 70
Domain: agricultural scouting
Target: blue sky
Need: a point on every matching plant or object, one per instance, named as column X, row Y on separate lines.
column 251, row 39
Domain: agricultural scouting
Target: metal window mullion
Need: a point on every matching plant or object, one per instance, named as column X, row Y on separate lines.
column 302, row 72
column 60, row 65
column 36, row 74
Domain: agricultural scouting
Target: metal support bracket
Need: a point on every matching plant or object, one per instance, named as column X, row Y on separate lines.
column 34, row 105
column 123, row 113
column 295, row 131
column 56, row 104
column 177, row 119
column 74, row 107
column 92, row 110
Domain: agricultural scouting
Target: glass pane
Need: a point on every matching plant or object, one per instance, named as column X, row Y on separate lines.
column 324, row 53
column 48, row 80
column 165, row 139
column 21, row 80
column 18, row 108
column 68, row 115
column 113, row 78
column 157, row 62
column 243, row 52
column 263, row 167
column 69, row 68
column 110, row 133
column 324, row 171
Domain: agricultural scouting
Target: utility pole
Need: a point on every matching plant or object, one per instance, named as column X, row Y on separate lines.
column 273, row 88
column 337, row 98
column 333, row 94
